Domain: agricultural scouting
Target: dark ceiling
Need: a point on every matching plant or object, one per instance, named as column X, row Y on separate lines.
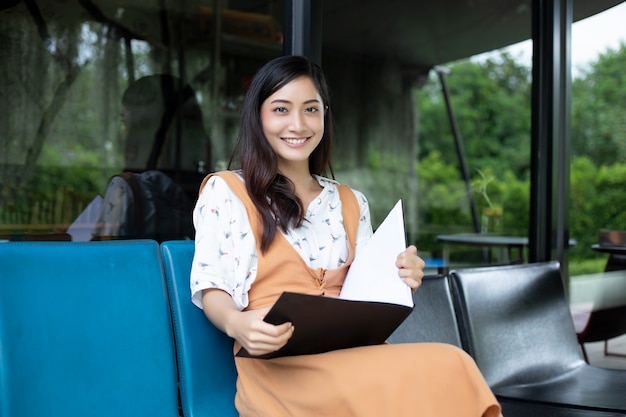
column 422, row 34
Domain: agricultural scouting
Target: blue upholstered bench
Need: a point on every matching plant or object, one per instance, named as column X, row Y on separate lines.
column 205, row 354
column 108, row 329
column 98, row 329
column 85, row 330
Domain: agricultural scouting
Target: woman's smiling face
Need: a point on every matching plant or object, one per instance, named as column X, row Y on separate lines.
column 293, row 121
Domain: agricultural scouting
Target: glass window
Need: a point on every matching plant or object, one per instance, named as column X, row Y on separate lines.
column 597, row 265
column 395, row 139
column 95, row 88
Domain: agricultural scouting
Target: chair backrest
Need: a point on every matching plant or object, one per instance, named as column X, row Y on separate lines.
column 205, row 354
column 433, row 318
column 515, row 322
column 146, row 205
column 85, row 330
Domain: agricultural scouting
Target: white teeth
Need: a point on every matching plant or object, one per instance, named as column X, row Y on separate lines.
column 295, row 141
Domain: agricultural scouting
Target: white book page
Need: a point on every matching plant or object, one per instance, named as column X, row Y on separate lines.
column 373, row 275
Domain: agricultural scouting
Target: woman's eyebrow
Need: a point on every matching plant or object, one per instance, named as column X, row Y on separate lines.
column 282, row 100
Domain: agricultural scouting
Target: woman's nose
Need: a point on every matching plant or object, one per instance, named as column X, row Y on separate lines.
column 297, row 122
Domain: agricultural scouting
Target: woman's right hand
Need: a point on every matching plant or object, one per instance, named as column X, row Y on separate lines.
column 247, row 327
column 257, row 336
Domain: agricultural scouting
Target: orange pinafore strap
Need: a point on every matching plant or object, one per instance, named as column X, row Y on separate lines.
column 350, row 207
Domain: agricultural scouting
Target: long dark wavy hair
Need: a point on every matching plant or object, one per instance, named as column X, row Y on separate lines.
column 272, row 193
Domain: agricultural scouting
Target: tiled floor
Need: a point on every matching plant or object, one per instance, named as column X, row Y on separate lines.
column 595, row 352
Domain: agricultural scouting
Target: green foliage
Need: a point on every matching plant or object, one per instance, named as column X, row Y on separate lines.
column 481, row 185
column 374, row 160
column 582, row 175
column 442, row 195
column 610, row 198
column 598, row 97
column 491, row 103
column 445, row 203
column 515, row 195
column 384, row 182
column 51, row 200
column 586, row 266
column 597, row 201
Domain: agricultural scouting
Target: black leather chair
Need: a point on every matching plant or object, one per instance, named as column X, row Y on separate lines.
column 515, row 321
column 433, row 318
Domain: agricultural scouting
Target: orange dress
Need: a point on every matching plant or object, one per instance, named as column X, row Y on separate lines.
column 421, row 379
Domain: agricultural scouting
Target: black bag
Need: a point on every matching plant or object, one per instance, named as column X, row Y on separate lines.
column 144, row 205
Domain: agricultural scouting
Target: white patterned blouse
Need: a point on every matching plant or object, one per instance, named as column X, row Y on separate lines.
column 226, row 255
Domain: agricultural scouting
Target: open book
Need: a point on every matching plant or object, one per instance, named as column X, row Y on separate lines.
column 373, row 302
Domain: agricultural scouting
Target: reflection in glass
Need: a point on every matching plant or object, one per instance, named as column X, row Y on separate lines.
column 101, row 87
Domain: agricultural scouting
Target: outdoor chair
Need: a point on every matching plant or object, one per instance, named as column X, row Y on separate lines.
column 516, row 323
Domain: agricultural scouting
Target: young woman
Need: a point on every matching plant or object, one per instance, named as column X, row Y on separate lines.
column 278, row 224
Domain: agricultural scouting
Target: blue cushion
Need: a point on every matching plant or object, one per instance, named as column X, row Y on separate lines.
column 205, row 354
column 85, row 330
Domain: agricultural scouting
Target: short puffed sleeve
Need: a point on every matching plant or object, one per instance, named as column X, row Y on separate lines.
column 225, row 250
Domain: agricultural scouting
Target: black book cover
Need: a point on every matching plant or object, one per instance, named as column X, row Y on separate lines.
column 323, row 324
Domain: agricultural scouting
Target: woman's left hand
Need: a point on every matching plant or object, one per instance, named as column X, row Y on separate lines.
column 410, row 267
